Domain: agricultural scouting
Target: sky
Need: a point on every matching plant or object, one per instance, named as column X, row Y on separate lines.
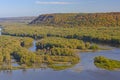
column 18, row 8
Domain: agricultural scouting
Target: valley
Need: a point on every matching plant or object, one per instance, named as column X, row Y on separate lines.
column 42, row 49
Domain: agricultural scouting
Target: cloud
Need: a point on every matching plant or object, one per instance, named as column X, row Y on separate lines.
column 45, row 3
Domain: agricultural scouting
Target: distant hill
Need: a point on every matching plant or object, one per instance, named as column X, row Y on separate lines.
column 17, row 19
column 78, row 19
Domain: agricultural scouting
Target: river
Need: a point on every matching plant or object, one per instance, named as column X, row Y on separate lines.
column 85, row 70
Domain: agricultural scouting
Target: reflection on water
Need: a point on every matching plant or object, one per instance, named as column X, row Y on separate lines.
column 33, row 48
column 49, row 74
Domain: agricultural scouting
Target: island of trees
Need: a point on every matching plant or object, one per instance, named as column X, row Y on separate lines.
column 17, row 48
column 106, row 63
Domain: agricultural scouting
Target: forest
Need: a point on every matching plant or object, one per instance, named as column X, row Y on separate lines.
column 51, row 42
column 104, row 35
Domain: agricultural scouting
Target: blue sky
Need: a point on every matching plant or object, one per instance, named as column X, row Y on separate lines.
column 16, row 8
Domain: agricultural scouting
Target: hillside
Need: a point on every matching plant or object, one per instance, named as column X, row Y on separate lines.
column 78, row 19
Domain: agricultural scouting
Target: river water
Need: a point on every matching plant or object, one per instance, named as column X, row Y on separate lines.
column 84, row 70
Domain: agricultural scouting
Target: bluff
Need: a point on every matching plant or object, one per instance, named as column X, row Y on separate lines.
column 78, row 19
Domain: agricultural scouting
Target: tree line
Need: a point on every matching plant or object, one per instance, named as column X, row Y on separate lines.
column 106, row 35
